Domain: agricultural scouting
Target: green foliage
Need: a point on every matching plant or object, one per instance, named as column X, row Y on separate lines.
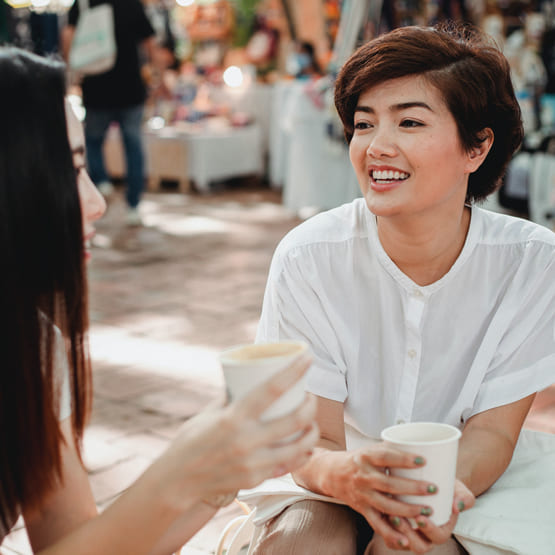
column 245, row 15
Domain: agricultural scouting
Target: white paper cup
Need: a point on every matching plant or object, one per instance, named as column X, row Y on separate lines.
column 438, row 444
column 247, row 366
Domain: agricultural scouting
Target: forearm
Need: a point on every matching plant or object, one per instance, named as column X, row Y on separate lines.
column 483, row 456
column 134, row 523
column 488, row 442
column 184, row 528
column 66, row 39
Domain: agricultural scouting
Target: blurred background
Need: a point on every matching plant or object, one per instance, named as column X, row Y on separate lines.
column 242, row 143
column 251, row 80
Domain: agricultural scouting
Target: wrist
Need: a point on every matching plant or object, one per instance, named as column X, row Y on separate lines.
column 220, row 500
column 318, row 474
column 176, row 495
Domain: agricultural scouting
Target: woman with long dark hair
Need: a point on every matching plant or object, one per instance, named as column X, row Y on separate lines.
column 48, row 206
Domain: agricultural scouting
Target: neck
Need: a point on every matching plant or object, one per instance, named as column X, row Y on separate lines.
column 425, row 248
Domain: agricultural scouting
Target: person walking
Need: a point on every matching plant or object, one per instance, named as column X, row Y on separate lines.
column 118, row 95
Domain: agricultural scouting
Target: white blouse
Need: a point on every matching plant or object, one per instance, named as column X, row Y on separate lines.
column 480, row 337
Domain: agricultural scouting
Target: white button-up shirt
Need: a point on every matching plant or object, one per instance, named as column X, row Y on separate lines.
column 480, row 337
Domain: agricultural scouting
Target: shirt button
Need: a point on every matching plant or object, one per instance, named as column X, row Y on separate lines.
column 417, row 293
column 411, row 353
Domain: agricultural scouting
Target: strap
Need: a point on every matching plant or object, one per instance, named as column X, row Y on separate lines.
column 83, row 6
column 244, row 532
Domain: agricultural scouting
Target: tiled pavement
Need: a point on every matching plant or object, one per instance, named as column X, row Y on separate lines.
column 164, row 299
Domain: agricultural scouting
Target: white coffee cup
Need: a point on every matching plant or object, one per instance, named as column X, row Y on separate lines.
column 246, row 366
column 438, row 444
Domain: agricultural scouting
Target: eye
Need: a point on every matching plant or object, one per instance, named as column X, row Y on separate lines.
column 410, row 123
column 362, row 125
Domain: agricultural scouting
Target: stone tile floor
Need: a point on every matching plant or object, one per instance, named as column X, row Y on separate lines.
column 165, row 298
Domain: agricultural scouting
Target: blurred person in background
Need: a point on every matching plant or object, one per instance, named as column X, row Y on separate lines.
column 118, row 96
column 302, row 62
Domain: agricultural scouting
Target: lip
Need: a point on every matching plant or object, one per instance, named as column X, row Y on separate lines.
column 86, row 243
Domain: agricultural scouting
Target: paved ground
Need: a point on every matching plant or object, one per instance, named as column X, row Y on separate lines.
column 164, row 300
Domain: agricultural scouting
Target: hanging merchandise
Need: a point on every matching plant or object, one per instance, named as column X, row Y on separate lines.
column 93, row 49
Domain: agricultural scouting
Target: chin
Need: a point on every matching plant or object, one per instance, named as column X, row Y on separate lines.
column 381, row 206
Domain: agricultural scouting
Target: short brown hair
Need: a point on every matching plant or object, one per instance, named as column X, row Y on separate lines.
column 469, row 71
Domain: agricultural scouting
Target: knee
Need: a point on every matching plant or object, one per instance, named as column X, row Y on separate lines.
column 309, row 527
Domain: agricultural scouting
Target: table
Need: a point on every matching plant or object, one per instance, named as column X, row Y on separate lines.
column 202, row 153
column 216, row 154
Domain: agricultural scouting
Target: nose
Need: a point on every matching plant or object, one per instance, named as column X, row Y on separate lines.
column 93, row 204
column 381, row 144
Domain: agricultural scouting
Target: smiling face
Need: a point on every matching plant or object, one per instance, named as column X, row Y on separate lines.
column 93, row 204
column 406, row 150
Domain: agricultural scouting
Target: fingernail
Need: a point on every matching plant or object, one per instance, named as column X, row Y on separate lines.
column 460, row 505
column 396, row 521
column 432, row 488
column 403, row 542
column 418, row 460
column 421, row 523
column 426, row 511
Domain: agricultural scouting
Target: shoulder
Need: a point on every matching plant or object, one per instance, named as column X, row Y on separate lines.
column 331, row 228
column 506, row 230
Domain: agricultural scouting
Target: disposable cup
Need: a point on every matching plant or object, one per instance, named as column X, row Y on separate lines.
column 247, row 366
column 438, row 444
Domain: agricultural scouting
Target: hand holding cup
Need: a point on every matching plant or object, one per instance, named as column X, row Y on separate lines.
column 437, row 444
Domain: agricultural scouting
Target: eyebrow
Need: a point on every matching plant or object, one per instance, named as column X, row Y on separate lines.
column 396, row 107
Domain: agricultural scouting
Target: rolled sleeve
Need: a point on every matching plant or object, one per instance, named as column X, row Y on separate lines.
column 294, row 309
column 525, row 360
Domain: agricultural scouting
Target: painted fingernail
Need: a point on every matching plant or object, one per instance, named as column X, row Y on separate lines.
column 418, row 460
column 421, row 523
column 432, row 488
column 403, row 542
column 460, row 505
column 426, row 511
column 396, row 521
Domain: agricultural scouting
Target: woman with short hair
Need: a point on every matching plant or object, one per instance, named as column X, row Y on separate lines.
column 418, row 305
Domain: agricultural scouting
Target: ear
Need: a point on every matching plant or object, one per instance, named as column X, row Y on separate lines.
column 478, row 154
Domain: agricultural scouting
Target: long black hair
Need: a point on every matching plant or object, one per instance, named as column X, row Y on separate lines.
column 42, row 280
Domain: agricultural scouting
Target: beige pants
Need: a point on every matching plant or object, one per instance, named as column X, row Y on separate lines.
column 322, row 528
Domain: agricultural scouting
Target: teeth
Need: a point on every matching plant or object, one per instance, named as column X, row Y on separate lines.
column 388, row 175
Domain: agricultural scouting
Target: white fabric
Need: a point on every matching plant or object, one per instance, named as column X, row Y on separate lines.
column 61, row 371
column 273, row 495
column 60, row 367
column 314, row 171
column 541, row 198
column 216, row 153
column 517, row 514
column 318, row 173
column 480, row 337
